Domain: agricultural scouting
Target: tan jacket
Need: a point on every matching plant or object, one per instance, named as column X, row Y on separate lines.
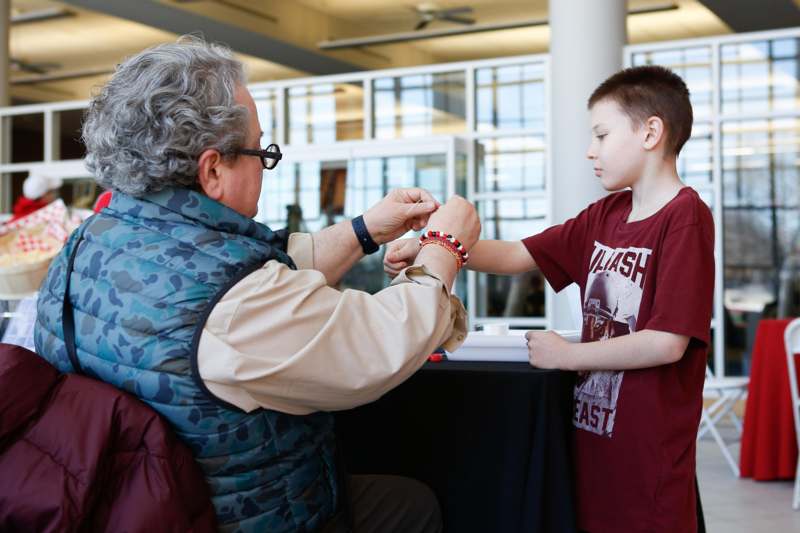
column 283, row 339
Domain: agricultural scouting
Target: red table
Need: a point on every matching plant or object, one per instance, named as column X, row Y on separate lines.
column 769, row 445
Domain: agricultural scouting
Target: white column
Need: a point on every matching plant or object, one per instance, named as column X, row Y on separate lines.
column 586, row 42
column 5, row 100
column 5, row 32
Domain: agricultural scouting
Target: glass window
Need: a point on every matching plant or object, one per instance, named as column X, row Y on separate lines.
column 70, row 145
column 370, row 179
column 462, row 164
column 325, row 113
column 27, row 138
column 761, row 206
column 691, row 64
column 15, row 181
column 419, row 105
column 695, row 161
column 267, row 108
column 510, row 97
column 760, row 76
column 290, row 197
column 80, row 193
column 521, row 295
column 511, row 164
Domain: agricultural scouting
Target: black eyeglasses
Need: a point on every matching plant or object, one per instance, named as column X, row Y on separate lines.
column 269, row 155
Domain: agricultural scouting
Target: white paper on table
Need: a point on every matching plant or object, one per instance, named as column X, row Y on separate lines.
column 479, row 346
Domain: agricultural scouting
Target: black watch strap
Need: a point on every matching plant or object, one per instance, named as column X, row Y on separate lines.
column 367, row 244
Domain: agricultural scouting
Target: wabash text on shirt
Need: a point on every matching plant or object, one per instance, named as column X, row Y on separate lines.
column 610, row 308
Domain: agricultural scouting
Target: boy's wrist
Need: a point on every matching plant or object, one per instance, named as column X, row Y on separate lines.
column 570, row 357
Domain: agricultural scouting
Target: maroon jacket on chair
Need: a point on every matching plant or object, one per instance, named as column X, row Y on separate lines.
column 77, row 454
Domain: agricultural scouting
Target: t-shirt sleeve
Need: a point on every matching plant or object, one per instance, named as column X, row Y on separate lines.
column 684, row 295
column 558, row 251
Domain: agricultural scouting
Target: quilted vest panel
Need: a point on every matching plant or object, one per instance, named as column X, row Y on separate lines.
column 146, row 275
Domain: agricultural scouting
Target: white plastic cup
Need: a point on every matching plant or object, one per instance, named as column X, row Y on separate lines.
column 495, row 329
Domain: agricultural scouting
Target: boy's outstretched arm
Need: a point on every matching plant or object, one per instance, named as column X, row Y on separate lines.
column 500, row 257
column 494, row 257
column 642, row 349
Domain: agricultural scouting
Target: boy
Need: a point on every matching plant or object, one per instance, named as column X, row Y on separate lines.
column 644, row 261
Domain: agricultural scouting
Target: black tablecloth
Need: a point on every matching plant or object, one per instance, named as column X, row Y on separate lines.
column 491, row 439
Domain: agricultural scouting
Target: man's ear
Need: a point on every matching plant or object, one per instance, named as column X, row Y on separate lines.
column 654, row 132
column 208, row 174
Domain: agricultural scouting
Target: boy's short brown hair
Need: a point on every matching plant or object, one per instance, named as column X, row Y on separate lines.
column 647, row 91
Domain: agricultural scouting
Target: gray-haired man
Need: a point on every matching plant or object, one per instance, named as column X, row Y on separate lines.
column 231, row 331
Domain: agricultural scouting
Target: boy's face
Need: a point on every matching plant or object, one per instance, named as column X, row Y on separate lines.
column 617, row 149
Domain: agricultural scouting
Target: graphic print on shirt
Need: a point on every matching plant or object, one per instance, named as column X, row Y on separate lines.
column 610, row 308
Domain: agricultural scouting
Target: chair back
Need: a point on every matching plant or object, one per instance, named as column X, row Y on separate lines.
column 791, row 339
column 131, row 472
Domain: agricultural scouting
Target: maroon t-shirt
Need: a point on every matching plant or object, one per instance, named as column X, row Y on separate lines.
column 636, row 430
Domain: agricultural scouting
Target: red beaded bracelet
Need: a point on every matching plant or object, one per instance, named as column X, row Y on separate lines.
column 446, row 238
column 447, row 246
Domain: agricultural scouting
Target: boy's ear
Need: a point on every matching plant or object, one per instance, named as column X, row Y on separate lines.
column 208, row 173
column 654, row 132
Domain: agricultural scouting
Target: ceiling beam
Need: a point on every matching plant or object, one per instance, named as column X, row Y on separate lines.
column 179, row 21
column 417, row 35
column 61, row 75
column 40, row 15
column 747, row 15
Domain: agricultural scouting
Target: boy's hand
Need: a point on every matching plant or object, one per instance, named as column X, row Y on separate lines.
column 399, row 254
column 547, row 349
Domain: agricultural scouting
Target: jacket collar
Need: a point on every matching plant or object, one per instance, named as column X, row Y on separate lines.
column 176, row 205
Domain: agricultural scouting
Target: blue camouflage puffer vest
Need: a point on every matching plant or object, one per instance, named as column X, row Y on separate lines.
column 146, row 275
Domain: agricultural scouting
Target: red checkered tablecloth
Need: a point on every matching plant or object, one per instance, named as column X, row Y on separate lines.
column 44, row 230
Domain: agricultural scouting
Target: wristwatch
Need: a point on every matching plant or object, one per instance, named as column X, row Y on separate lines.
column 364, row 238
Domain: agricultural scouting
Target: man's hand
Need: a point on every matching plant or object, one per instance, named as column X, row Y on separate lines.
column 547, row 350
column 400, row 254
column 400, row 211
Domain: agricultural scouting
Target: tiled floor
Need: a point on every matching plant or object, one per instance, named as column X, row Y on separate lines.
column 734, row 505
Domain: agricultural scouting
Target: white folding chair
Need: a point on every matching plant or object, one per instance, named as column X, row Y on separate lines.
column 724, row 393
column 791, row 339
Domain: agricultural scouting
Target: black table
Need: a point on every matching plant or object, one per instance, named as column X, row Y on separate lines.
column 491, row 439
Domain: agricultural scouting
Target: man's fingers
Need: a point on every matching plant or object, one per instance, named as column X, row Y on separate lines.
column 407, row 248
column 416, row 194
column 396, row 257
column 410, row 249
column 398, row 266
column 420, row 209
column 419, row 223
column 428, row 197
column 399, row 257
column 393, row 270
column 400, row 254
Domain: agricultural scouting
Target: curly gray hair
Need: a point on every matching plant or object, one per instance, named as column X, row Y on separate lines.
column 145, row 129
